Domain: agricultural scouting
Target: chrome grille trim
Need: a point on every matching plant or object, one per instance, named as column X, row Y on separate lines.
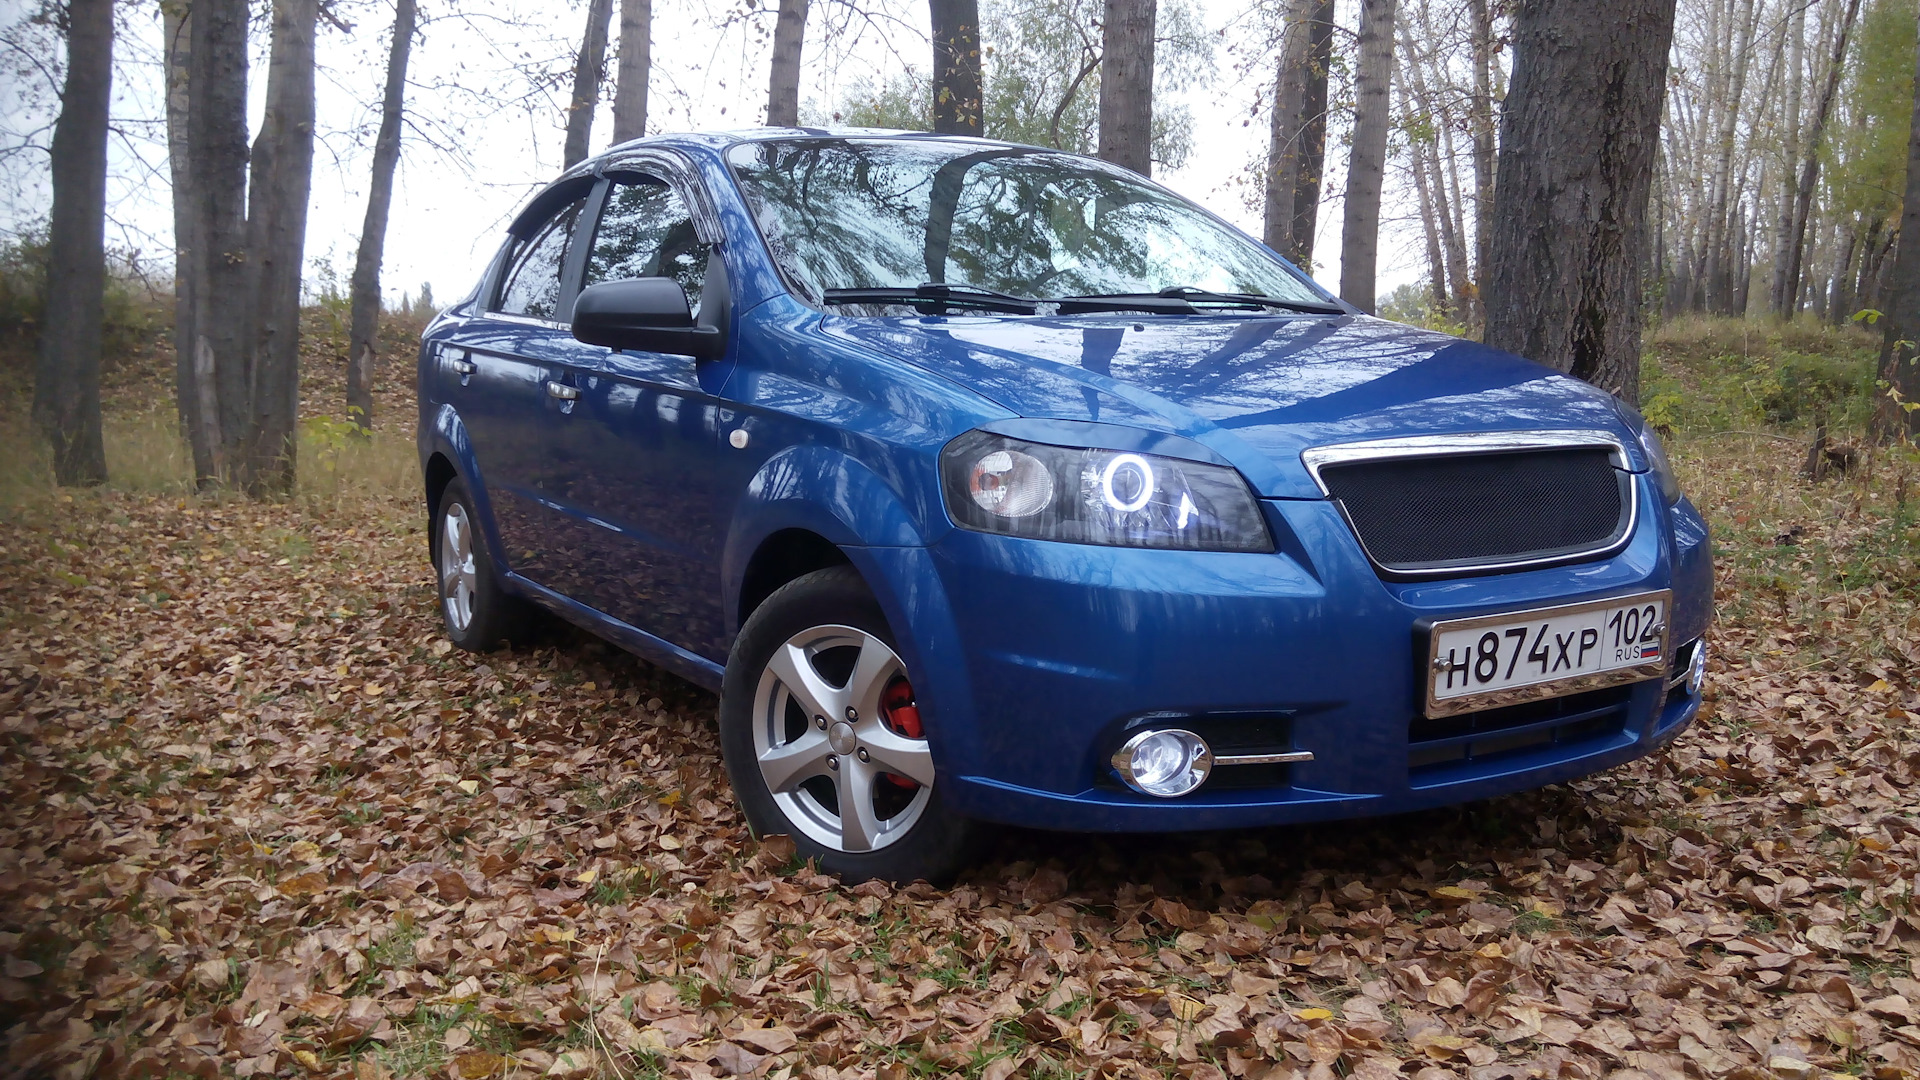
column 1469, row 444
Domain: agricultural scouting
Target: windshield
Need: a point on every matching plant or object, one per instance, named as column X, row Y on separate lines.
column 888, row 213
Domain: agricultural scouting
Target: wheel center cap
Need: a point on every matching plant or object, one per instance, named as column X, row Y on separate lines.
column 840, row 736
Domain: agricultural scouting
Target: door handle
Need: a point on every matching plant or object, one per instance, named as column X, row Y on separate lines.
column 462, row 367
column 562, row 391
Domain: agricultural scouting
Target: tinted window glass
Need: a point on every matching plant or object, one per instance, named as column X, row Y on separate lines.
column 846, row 213
column 646, row 231
column 532, row 285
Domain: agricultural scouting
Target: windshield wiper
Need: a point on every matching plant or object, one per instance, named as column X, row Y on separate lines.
column 934, row 292
column 1179, row 300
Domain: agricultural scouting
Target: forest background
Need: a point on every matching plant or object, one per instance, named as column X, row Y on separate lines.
column 262, row 820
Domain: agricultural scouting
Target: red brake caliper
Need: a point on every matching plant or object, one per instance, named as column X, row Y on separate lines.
column 902, row 717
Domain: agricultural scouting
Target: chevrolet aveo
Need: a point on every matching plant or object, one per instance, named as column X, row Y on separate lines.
column 989, row 483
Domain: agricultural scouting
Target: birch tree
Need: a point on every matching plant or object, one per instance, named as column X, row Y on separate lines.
column 1810, row 166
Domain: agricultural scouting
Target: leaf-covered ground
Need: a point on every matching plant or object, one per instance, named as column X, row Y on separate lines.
column 259, row 819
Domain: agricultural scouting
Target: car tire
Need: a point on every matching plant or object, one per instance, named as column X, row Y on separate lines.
column 817, row 713
column 475, row 607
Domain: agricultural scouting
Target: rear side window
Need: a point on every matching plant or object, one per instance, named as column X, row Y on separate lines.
column 532, row 283
column 646, row 231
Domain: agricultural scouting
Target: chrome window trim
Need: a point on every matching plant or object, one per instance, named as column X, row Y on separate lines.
column 1493, row 442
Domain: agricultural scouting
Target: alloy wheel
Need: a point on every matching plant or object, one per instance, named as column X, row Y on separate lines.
column 838, row 741
column 458, row 577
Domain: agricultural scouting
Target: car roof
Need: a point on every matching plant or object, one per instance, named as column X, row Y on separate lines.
column 722, row 139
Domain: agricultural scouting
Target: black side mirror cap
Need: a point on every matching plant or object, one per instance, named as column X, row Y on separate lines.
column 647, row 314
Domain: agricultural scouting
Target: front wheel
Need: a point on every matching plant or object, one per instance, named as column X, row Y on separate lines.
column 823, row 738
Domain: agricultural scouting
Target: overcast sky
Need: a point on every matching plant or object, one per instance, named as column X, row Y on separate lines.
column 486, row 128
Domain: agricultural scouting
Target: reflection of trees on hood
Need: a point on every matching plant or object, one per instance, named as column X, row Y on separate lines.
column 1042, row 79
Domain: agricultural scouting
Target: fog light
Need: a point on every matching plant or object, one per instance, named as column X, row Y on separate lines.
column 1697, row 670
column 1167, row 763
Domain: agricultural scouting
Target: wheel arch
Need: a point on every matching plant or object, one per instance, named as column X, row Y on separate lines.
column 781, row 557
column 438, row 473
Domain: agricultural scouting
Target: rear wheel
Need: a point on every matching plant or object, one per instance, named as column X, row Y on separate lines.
column 823, row 738
column 478, row 612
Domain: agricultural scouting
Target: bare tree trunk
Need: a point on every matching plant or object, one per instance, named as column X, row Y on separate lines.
column 1720, row 253
column 1285, row 127
column 1436, row 261
column 261, row 433
column 193, row 390
column 1445, row 180
column 1810, row 163
column 589, row 66
column 1743, row 283
column 783, row 83
column 1126, row 84
column 1483, row 147
column 217, row 265
column 1366, row 168
column 1897, row 411
column 1872, row 255
column 1577, row 146
column 1778, row 293
column 66, row 384
column 1313, row 136
column 956, row 66
column 1840, row 290
column 363, row 339
column 636, row 68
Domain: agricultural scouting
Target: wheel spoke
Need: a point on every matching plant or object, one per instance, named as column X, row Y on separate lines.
column 898, row 754
column 786, row 767
column 871, row 672
column 792, row 667
column 859, row 825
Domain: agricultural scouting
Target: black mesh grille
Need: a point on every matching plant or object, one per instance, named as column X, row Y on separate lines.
column 1478, row 509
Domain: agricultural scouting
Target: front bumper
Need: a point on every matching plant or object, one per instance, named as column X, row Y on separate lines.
column 1037, row 656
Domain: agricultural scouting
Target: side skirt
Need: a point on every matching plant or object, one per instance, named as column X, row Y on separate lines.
column 654, row 650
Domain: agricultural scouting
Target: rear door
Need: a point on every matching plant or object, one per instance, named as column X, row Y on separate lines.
column 513, row 387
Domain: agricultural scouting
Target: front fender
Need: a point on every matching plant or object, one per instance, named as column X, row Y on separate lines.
column 822, row 490
column 446, row 435
column 826, row 492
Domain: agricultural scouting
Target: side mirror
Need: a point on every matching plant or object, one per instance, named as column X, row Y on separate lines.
column 649, row 314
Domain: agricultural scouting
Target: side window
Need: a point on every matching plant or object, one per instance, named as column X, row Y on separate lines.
column 646, row 231
column 532, row 282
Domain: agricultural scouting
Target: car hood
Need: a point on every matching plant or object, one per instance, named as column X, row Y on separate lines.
column 1257, row 391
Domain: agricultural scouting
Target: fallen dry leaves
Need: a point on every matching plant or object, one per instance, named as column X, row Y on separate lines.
column 261, row 820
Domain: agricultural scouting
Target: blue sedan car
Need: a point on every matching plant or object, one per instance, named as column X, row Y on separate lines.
column 989, row 483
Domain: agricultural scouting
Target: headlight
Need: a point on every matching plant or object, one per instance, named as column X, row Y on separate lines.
column 1002, row 485
column 1656, row 452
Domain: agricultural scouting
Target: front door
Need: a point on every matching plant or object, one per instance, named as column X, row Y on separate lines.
column 646, row 431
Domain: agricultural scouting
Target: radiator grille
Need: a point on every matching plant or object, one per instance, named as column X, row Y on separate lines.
column 1463, row 511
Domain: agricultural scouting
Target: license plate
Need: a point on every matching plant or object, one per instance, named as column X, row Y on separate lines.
column 1520, row 656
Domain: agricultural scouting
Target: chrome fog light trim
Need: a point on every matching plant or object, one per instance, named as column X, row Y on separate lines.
column 1697, row 670
column 1166, row 762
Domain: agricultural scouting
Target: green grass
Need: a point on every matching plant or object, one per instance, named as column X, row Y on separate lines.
column 1703, row 374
